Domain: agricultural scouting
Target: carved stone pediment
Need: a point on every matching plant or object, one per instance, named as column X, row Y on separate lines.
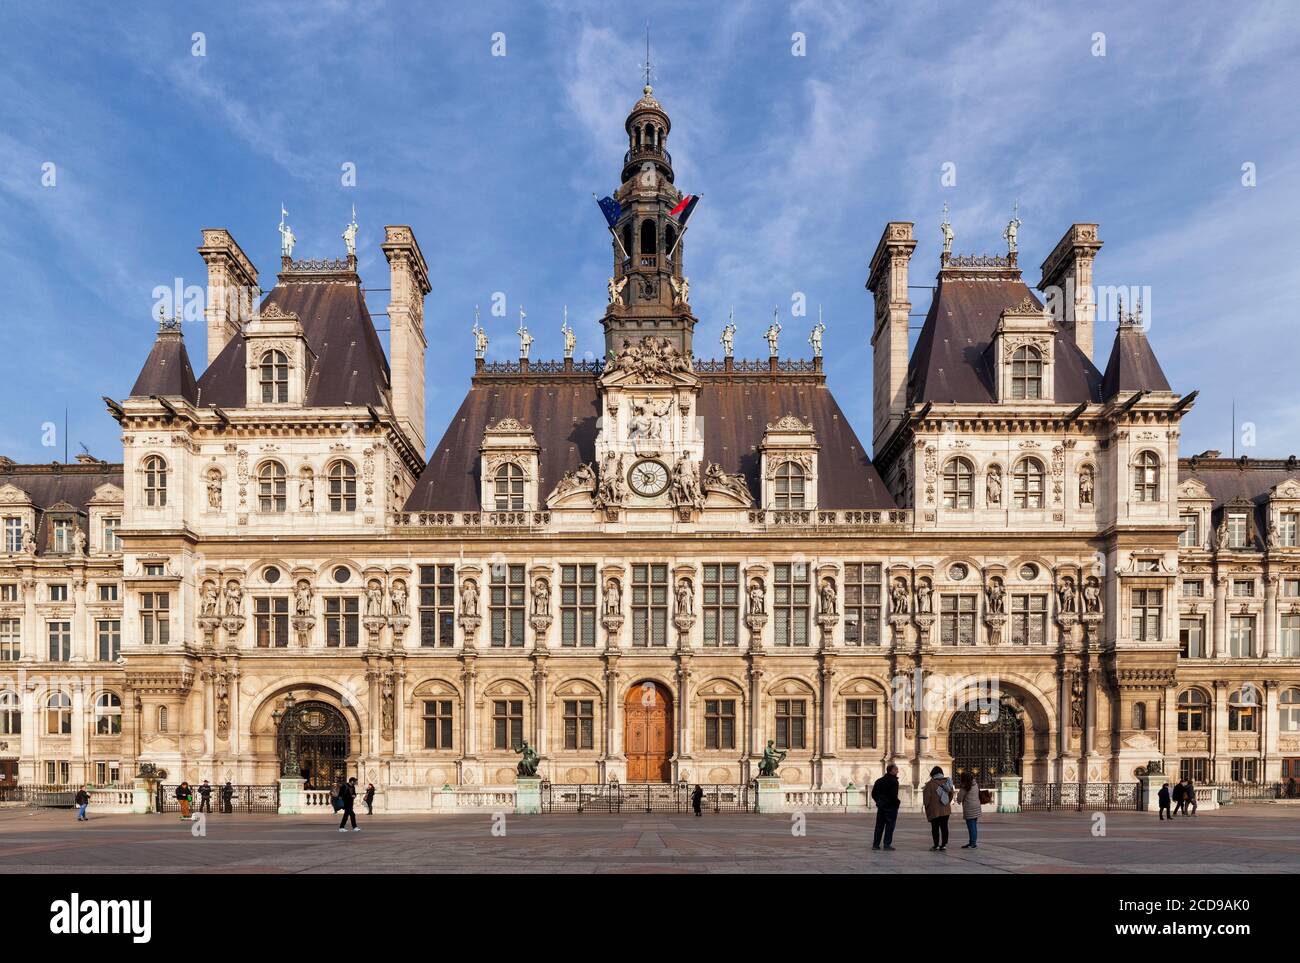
column 650, row 361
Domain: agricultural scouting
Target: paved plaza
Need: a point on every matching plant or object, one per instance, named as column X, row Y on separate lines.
column 1242, row 839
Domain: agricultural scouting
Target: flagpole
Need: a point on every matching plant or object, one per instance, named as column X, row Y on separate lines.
column 613, row 233
column 676, row 242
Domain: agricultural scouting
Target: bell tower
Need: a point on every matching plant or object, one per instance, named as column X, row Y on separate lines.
column 649, row 293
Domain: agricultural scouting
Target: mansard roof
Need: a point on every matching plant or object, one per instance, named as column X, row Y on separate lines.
column 1133, row 365
column 735, row 408
column 349, row 366
column 167, row 371
column 1240, row 480
column 59, row 487
column 953, row 359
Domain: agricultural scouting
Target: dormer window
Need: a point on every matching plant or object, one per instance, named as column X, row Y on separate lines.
column 1238, row 530
column 13, row 534
column 342, row 487
column 509, row 488
column 1146, row 477
column 272, row 488
column 1027, row 483
column 274, row 377
column 155, row 482
column 790, row 482
column 1026, row 374
column 958, row 484
column 62, row 535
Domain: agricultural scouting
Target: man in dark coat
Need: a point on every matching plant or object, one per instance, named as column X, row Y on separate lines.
column 697, row 799
column 348, row 797
column 205, row 797
column 1180, row 798
column 82, row 799
column 884, row 793
column 1163, row 796
column 227, row 797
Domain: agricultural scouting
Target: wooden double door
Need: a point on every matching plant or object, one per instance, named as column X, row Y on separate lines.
column 648, row 733
column 8, row 773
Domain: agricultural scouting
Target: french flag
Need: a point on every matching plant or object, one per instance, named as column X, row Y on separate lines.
column 683, row 210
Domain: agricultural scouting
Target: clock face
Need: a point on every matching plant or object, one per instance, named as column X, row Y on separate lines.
column 648, row 478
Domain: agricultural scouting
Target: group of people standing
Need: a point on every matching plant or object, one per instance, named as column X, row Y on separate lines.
column 1183, row 796
column 185, row 796
column 937, row 796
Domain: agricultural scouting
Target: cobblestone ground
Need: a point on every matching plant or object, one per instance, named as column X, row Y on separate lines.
column 1241, row 839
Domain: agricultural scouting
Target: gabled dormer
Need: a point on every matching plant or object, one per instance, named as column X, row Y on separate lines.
column 788, row 464
column 1195, row 508
column 1024, row 349
column 278, row 359
column 1283, row 531
column 508, row 467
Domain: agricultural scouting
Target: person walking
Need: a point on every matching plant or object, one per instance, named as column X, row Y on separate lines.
column 1189, row 798
column 347, row 796
column 183, row 796
column 227, row 797
column 937, row 798
column 884, row 793
column 1163, row 796
column 969, row 797
column 82, row 799
column 205, row 797
column 1180, row 798
column 370, row 799
column 697, row 799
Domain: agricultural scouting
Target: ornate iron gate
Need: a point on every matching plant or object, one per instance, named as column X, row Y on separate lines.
column 313, row 742
column 1079, row 796
column 243, row 799
column 987, row 745
column 642, row 797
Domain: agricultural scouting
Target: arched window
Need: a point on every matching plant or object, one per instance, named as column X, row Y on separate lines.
column 11, row 714
column 1139, row 715
column 789, row 491
column 1027, row 483
column 1243, row 710
column 1193, row 711
column 509, row 488
column 648, row 237
column 272, row 486
column 1026, row 373
column 108, row 714
column 58, row 716
column 162, row 718
column 958, row 484
column 670, row 239
column 1288, row 710
column 274, row 377
column 1146, row 477
column 627, row 240
column 343, row 487
column 155, row 482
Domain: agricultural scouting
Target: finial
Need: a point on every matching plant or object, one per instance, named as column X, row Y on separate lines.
column 946, row 228
column 480, row 337
column 350, row 234
column 1013, row 229
column 647, row 67
column 286, row 234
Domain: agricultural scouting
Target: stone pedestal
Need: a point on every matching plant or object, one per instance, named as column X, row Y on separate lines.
column 143, row 793
column 770, row 797
column 292, row 796
column 1008, row 794
column 1149, row 787
column 528, row 795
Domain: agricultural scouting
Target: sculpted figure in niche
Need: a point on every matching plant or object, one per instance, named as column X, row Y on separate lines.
column 898, row 597
column 995, row 485
column 757, row 598
column 398, row 596
column 234, row 598
column 302, row 598
column 210, row 600
column 469, row 597
column 924, row 594
column 685, row 597
column 613, row 597
column 29, row 541
column 996, row 597
column 1085, row 486
column 214, row 489
column 1092, row 596
column 78, row 542
column 541, row 597
column 829, row 599
column 1069, row 601
column 306, row 491
column 374, row 599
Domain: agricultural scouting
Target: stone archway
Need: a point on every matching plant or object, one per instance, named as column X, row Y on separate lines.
column 313, row 741
column 987, row 741
column 648, row 732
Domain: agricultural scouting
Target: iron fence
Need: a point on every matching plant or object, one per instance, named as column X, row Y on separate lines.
column 243, row 799
column 1247, row 791
column 42, row 797
column 1080, row 796
column 643, row 797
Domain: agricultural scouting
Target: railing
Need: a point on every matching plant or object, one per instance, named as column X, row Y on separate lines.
column 320, row 799
column 810, row 518
column 1079, row 796
column 755, row 365
column 43, row 796
column 647, row 150
column 481, row 520
column 642, row 797
column 243, row 799
column 115, row 800
column 1248, row 791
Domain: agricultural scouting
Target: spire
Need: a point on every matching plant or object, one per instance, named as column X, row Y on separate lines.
column 1132, row 365
column 167, row 370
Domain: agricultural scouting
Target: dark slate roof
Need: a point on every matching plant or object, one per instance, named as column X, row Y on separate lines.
column 1133, row 365
column 55, row 484
column 953, row 361
column 563, row 412
column 1237, row 480
column 349, row 366
column 167, row 370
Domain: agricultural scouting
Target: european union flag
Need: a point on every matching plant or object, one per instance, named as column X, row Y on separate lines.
column 611, row 209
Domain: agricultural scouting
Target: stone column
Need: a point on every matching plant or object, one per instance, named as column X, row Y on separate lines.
column 1219, row 738
column 83, row 636
column 469, row 733
column 755, row 734
column 1169, row 724
column 541, row 731
column 1270, row 615
column 79, row 722
column 684, row 751
column 31, row 641
column 826, row 744
column 1271, row 770
column 1218, row 647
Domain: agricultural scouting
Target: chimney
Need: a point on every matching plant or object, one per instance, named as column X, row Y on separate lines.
column 1067, row 284
column 887, row 281
column 232, row 286
column 408, row 282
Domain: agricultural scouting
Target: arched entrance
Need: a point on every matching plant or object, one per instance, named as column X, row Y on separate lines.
column 648, row 733
column 988, row 742
column 312, row 741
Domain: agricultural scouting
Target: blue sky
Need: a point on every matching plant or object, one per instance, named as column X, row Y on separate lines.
column 493, row 160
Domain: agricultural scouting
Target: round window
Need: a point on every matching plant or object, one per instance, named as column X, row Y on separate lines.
column 957, row 572
column 341, row 574
column 1029, row 572
column 270, row 575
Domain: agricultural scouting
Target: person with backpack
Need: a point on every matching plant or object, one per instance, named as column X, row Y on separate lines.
column 969, row 797
column 82, row 799
column 884, row 793
column 937, row 799
column 347, row 798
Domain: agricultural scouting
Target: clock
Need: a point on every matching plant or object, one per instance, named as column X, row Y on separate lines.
column 648, row 478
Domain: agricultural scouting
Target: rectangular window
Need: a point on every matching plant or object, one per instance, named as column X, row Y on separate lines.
column 1289, row 637
column 1028, row 619
column 271, row 620
column 11, row 640
column 437, row 724
column 1243, row 587
column 861, row 604
column 1241, row 636
column 342, row 622
column 860, row 723
column 65, row 772
column 1238, row 530
column 49, row 774
column 59, row 592
column 506, row 605
column 62, row 535
column 155, row 618
column 1193, row 588
column 1147, row 614
column 437, row 606
column 1291, row 588
column 108, row 633
column 790, row 723
column 1191, row 638
column 13, row 534
column 721, row 604
column 578, row 606
column 1190, row 536
column 1197, row 770
column 1287, row 534
column 579, row 724
column 155, row 569
column 790, row 611
column 719, row 723
column 957, row 620
column 507, row 723
column 60, row 636
column 1245, row 770
column 649, row 605
column 8, row 591
column 111, row 542
column 108, row 591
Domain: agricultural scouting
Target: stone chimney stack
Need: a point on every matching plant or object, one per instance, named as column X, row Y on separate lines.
column 408, row 284
column 232, row 287
column 887, row 281
column 1067, row 284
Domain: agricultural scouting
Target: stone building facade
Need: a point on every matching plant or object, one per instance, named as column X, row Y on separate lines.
column 650, row 567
